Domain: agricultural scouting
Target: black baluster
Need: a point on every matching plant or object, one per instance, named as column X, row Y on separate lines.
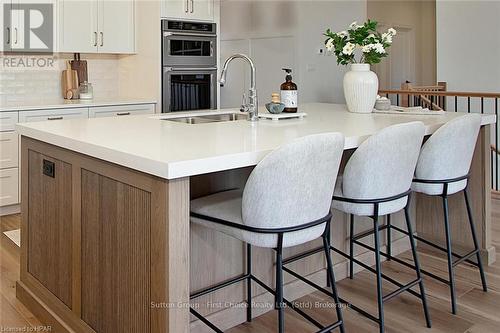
column 456, row 100
column 496, row 144
column 468, row 104
column 482, row 104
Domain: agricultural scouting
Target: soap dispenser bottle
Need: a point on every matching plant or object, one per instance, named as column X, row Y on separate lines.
column 289, row 93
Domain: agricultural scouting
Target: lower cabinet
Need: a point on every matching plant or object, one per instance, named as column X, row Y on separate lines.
column 122, row 110
column 53, row 114
column 9, row 187
column 50, row 208
column 92, row 250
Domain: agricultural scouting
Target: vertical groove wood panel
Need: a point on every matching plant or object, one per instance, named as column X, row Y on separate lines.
column 116, row 220
column 50, row 226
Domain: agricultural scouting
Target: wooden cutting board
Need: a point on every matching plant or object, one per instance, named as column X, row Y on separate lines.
column 69, row 83
column 80, row 66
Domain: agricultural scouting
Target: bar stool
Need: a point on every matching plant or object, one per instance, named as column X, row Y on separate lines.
column 376, row 182
column 442, row 170
column 286, row 202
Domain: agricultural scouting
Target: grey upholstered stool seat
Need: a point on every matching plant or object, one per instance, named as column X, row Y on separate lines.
column 376, row 182
column 442, row 170
column 286, row 201
column 227, row 206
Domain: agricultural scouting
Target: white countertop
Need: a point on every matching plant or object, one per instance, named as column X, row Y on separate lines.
column 72, row 103
column 172, row 150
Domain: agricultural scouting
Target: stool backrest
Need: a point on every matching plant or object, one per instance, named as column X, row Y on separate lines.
column 294, row 184
column 384, row 164
column 447, row 154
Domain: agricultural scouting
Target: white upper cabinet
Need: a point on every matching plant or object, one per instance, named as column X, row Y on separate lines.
column 90, row 26
column 196, row 10
column 77, row 26
column 116, row 26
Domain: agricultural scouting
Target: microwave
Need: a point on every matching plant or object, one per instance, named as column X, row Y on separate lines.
column 189, row 44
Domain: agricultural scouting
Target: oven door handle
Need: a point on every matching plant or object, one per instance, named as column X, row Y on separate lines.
column 187, row 34
column 190, row 69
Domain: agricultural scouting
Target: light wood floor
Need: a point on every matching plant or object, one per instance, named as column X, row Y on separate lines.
column 478, row 312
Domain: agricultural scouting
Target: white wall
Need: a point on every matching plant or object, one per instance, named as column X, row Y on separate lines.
column 468, row 45
column 468, row 51
column 279, row 34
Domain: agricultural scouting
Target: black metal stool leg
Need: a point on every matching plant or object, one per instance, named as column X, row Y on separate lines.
column 449, row 255
column 249, row 283
column 474, row 239
column 417, row 267
column 328, row 238
column 351, row 248
column 331, row 277
column 389, row 238
column 378, row 268
column 279, row 285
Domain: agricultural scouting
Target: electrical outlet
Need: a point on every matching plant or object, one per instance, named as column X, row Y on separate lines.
column 49, row 168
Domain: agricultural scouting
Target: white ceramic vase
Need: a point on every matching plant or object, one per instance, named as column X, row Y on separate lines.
column 360, row 88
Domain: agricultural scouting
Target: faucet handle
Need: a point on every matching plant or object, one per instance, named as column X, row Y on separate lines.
column 244, row 106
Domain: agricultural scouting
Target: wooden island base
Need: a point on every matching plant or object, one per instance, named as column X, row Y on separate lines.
column 109, row 249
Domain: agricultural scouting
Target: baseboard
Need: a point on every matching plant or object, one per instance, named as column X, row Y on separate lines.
column 495, row 195
column 9, row 210
column 233, row 316
column 41, row 310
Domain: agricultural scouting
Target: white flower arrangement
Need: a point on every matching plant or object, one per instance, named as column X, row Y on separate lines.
column 373, row 45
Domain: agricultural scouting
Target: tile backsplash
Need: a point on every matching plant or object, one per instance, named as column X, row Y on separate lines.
column 45, row 84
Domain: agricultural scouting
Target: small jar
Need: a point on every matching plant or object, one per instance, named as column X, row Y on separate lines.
column 383, row 104
column 86, row 91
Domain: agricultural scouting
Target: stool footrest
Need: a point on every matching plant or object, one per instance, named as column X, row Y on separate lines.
column 384, row 276
column 219, row 286
column 328, row 293
column 465, row 258
column 403, row 288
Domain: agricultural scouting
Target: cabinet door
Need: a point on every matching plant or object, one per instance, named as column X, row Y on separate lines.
column 121, row 110
column 116, row 26
column 49, row 229
column 9, row 144
column 202, row 10
column 9, row 190
column 54, row 114
column 177, row 9
column 77, row 26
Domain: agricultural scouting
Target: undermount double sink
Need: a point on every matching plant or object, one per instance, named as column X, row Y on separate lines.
column 211, row 118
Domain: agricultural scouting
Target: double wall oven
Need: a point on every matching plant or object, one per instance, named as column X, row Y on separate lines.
column 189, row 61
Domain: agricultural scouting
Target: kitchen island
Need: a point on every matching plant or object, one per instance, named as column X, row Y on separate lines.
column 106, row 241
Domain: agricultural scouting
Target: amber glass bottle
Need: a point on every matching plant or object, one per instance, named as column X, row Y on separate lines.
column 289, row 93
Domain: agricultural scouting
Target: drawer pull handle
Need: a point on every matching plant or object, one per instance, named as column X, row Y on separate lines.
column 54, row 118
column 123, row 114
column 4, row 177
column 5, row 140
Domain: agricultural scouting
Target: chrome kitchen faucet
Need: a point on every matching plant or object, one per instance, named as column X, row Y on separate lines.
column 249, row 105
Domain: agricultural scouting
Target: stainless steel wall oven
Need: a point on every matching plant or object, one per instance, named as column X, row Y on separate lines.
column 189, row 60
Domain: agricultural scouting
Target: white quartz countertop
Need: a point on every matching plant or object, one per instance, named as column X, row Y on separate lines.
column 64, row 103
column 172, row 150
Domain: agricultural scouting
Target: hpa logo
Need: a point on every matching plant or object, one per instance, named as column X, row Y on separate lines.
column 29, row 28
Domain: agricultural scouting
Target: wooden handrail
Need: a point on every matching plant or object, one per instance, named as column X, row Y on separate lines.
column 440, row 93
